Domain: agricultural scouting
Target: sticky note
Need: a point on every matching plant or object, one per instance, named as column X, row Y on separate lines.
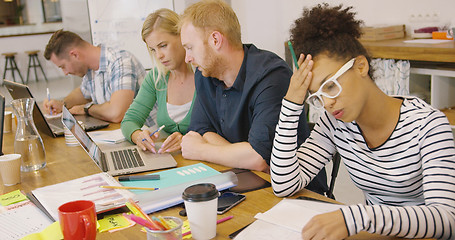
column 52, row 232
column 12, row 197
column 186, row 228
column 112, row 222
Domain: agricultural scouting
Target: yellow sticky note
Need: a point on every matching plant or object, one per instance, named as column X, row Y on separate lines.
column 12, row 197
column 52, row 232
column 112, row 222
column 186, row 228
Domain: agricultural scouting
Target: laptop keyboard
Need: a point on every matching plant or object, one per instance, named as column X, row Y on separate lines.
column 127, row 158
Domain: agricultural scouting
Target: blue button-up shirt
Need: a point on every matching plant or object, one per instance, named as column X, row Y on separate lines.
column 248, row 111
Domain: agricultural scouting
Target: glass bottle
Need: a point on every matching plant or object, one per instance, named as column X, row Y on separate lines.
column 28, row 142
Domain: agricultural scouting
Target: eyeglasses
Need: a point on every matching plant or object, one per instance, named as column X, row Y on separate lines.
column 330, row 88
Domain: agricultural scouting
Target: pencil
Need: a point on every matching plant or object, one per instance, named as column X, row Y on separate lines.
column 293, row 55
column 134, row 188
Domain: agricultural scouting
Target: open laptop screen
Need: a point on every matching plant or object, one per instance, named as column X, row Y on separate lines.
column 84, row 139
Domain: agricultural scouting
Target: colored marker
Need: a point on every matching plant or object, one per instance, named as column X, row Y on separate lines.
column 293, row 55
column 139, row 177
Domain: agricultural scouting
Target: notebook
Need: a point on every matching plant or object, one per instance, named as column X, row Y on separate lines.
column 117, row 159
column 50, row 126
column 2, row 111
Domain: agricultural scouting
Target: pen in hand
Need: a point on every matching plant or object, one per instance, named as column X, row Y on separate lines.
column 48, row 100
column 157, row 130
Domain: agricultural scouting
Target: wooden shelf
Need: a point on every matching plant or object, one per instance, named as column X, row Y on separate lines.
column 397, row 49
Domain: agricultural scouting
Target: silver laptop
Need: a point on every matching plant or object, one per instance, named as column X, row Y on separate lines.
column 117, row 159
column 50, row 126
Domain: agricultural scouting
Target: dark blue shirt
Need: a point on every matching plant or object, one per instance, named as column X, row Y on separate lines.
column 248, row 111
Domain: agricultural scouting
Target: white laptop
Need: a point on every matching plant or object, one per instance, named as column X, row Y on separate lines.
column 117, row 159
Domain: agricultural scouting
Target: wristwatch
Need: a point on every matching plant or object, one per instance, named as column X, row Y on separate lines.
column 87, row 107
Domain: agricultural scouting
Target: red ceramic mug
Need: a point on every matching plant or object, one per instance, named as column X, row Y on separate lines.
column 78, row 220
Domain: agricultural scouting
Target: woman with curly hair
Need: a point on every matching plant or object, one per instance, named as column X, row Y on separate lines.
column 398, row 150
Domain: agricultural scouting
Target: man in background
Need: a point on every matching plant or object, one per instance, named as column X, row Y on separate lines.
column 239, row 92
column 110, row 77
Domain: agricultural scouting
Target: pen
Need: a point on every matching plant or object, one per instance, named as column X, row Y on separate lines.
column 49, row 99
column 157, row 130
column 293, row 55
column 217, row 222
column 135, row 188
column 139, row 177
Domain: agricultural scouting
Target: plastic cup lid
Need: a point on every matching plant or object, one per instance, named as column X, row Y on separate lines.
column 200, row 192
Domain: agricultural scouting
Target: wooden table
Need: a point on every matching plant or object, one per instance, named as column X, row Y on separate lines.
column 397, row 49
column 66, row 163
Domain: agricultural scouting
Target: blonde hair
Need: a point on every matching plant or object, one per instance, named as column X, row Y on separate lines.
column 214, row 15
column 165, row 20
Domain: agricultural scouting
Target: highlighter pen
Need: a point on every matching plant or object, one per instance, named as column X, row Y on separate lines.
column 49, row 99
column 293, row 55
column 139, row 177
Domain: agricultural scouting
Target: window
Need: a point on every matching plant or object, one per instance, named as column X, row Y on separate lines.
column 11, row 12
column 52, row 11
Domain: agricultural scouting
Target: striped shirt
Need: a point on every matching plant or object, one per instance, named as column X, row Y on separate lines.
column 118, row 70
column 408, row 181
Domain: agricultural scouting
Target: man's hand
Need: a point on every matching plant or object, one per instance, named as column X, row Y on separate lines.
column 144, row 141
column 192, row 145
column 53, row 105
column 172, row 143
column 326, row 226
column 77, row 110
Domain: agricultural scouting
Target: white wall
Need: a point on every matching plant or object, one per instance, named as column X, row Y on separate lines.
column 266, row 23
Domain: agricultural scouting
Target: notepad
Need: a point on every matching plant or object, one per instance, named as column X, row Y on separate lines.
column 20, row 219
column 173, row 182
column 285, row 220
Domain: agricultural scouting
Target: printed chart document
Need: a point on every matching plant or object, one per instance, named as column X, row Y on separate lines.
column 285, row 220
column 88, row 188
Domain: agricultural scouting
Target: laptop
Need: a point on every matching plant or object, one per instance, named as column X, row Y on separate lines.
column 2, row 112
column 117, row 159
column 50, row 126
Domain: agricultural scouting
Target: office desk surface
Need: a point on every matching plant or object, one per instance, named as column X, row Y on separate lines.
column 397, row 49
column 66, row 163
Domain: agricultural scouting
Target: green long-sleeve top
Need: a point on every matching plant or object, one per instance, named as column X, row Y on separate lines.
column 139, row 110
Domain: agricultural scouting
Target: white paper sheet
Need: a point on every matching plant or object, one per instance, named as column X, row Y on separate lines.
column 286, row 219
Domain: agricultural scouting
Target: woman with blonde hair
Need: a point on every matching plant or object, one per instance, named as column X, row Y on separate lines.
column 170, row 85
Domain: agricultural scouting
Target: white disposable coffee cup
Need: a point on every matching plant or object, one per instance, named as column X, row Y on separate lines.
column 70, row 139
column 10, row 169
column 8, row 122
column 201, row 202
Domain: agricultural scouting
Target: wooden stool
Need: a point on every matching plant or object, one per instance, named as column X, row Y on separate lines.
column 33, row 62
column 9, row 58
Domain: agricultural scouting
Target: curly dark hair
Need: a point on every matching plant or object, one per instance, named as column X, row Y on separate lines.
column 329, row 30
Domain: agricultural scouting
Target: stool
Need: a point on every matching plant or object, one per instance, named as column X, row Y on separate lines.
column 33, row 62
column 9, row 58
